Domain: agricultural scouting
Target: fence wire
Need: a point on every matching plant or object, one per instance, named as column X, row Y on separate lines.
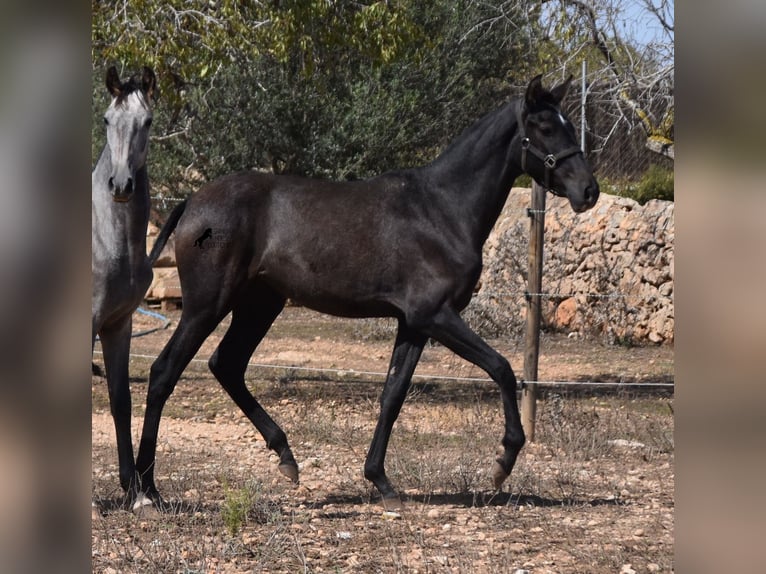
column 345, row 373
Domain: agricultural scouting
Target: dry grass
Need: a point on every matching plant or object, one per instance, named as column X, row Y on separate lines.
column 575, row 499
column 592, row 494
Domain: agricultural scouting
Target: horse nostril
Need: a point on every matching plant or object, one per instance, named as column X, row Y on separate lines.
column 111, row 183
column 591, row 193
column 129, row 185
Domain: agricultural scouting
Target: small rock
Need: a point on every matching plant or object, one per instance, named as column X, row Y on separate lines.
column 343, row 535
column 627, row 569
column 652, row 567
column 626, row 443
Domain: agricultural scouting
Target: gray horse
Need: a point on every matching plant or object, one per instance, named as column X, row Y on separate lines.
column 122, row 271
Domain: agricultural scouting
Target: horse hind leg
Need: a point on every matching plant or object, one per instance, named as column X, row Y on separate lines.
column 251, row 320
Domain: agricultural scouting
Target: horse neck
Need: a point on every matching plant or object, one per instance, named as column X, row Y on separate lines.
column 475, row 173
column 120, row 227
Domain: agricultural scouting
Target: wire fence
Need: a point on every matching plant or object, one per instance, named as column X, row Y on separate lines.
column 340, row 373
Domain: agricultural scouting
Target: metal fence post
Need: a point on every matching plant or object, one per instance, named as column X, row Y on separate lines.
column 534, row 290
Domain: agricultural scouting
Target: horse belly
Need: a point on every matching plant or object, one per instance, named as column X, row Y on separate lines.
column 334, row 285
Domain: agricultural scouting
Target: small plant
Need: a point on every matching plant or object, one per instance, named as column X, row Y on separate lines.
column 246, row 504
column 656, row 183
column 236, row 507
column 523, row 181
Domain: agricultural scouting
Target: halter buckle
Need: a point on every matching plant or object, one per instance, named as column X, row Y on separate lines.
column 550, row 161
column 525, row 143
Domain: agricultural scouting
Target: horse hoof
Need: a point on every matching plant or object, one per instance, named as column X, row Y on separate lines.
column 144, row 507
column 392, row 504
column 498, row 475
column 290, row 471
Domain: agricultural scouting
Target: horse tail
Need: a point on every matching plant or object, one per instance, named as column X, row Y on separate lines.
column 166, row 230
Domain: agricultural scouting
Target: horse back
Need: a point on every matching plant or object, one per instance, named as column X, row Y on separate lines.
column 359, row 248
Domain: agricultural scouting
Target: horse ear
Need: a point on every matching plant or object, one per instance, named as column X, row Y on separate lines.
column 113, row 82
column 560, row 91
column 534, row 91
column 149, row 83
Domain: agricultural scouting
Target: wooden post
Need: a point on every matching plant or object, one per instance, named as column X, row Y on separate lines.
column 534, row 289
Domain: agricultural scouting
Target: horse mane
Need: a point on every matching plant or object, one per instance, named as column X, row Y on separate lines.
column 497, row 119
column 133, row 84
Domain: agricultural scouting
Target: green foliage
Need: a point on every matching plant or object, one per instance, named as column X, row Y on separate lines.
column 342, row 90
column 656, row 183
column 311, row 88
column 523, row 181
column 236, row 506
column 247, row 504
column 190, row 43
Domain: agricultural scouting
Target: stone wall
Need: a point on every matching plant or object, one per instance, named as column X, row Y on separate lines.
column 607, row 273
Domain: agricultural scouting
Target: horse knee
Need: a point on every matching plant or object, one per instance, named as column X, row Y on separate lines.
column 515, row 438
column 503, row 374
column 372, row 471
column 159, row 387
column 214, row 364
column 120, row 409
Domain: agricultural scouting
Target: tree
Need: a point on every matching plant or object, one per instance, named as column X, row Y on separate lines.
column 332, row 89
column 201, row 48
column 630, row 106
column 634, row 78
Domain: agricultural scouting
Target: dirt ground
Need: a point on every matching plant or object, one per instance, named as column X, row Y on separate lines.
column 593, row 492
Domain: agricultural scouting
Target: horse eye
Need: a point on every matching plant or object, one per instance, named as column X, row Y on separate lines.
column 148, row 122
column 106, row 122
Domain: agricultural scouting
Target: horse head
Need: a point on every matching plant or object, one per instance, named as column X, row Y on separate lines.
column 128, row 120
column 550, row 153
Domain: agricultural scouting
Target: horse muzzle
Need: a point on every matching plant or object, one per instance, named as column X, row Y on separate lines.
column 121, row 193
column 587, row 200
column 122, row 197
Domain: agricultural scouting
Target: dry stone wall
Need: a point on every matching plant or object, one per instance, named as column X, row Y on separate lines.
column 607, row 273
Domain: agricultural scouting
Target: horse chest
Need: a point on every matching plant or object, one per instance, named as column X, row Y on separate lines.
column 121, row 278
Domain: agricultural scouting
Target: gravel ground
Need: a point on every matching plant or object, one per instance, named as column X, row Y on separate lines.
column 593, row 493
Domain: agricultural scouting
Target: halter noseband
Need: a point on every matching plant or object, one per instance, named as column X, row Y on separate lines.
column 550, row 161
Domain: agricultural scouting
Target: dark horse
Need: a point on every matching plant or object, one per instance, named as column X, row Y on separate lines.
column 121, row 270
column 406, row 244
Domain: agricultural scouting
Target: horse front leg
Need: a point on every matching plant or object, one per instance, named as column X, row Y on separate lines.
column 407, row 350
column 115, row 344
column 449, row 329
column 164, row 374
